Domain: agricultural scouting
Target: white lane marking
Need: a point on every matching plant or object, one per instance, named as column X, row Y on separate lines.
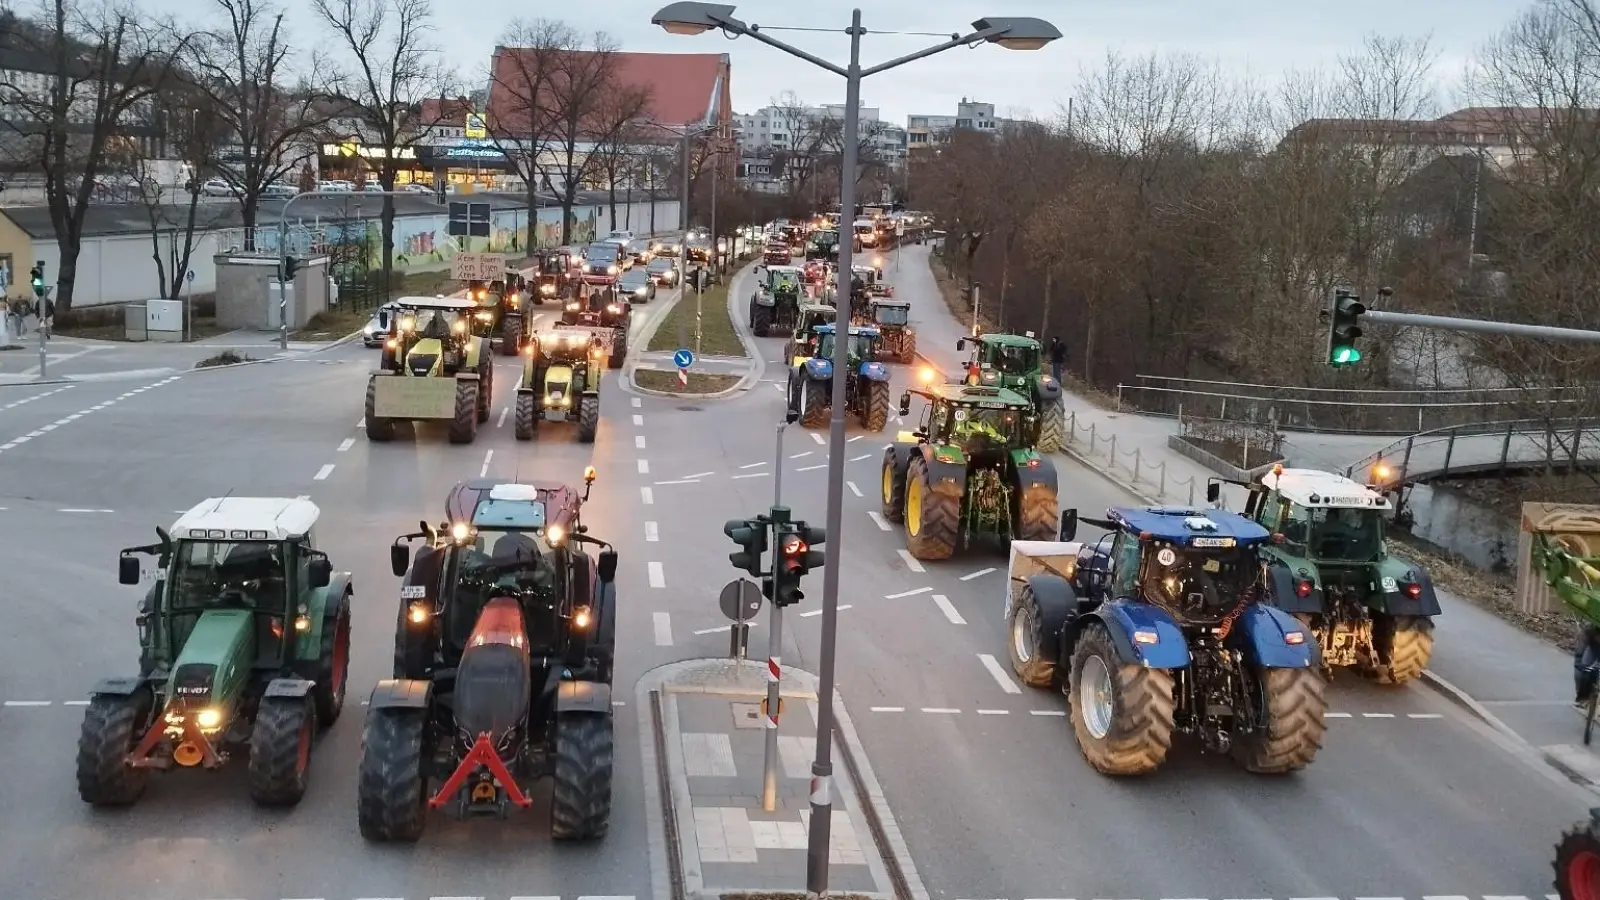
column 978, row 574
column 638, row 420
column 812, row 468
column 697, row 475
column 861, row 457
column 658, row 577
column 84, row 510
column 801, row 455
column 638, row 441
column 910, row 561
column 74, row 703
column 345, row 445
column 1000, row 676
column 949, row 609
column 1377, row 715
column 817, row 437
column 902, row 594
column 818, row 612
column 941, row 710
column 994, row 712
column 752, row 475
column 878, row 520
column 323, row 473
column 1047, row 712
column 854, row 439
column 720, row 628
column 663, row 623
column 501, row 422
column 753, row 465
column 853, row 489
column 651, row 532
column 535, row 898
column 1424, row 715
column 644, row 467
column 1336, row 715
column 888, row 709
column 487, row 458
column 647, row 496
column 678, row 481
column 361, row 421
column 28, row 702
column 637, row 403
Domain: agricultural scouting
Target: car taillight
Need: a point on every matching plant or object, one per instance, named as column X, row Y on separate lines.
column 1303, row 588
column 1413, row 590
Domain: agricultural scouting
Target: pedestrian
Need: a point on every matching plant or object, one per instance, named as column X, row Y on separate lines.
column 1058, row 356
column 47, row 316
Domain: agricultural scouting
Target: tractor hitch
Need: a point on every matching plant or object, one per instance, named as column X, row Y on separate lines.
column 192, row 749
column 481, row 754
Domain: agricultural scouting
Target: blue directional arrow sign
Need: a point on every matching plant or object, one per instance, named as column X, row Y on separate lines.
column 683, row 359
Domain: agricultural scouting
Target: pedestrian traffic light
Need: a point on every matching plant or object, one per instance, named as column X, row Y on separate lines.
column 290, row 266
column 751, row 534
column 1344, row 327
column 37, row 277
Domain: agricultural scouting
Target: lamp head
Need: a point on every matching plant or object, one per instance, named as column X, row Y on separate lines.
column 1018, row 33
column 688, row 17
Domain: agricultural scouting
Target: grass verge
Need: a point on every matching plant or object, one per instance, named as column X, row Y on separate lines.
column 100, row 330
column 716, row 334
column 332, row 324
column 667, row 382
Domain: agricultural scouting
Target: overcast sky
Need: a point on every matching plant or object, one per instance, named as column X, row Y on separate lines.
column 1263, row 37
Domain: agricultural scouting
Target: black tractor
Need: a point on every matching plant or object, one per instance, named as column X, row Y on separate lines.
column 555, row 279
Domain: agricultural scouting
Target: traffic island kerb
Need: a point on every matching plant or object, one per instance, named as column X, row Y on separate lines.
column 639, row 344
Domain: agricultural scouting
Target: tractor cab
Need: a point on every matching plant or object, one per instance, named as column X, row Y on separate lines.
column 973, row 420
column 554, row 276
column 863, row 343
column 431, row 336
column 1015, row 362
column 776, row 301
column 596, row 306
column 802, row 343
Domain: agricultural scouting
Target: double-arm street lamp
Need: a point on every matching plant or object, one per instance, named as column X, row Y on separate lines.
column 688, row 18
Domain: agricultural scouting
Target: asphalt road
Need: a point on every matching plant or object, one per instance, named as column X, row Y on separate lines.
column 1407, row 799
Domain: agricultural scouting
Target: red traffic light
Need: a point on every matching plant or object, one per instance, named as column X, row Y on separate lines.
column 794, row 546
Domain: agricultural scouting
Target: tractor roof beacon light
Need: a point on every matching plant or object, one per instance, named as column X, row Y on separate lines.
column 1344, row 328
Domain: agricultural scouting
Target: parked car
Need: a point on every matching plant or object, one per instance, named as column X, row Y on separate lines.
column 418, row 188
column 636, row 286
column 377, row 328
column 335, row 187
column 372, row 187
column 216, row 187
column 277, row 190
column 664, row 270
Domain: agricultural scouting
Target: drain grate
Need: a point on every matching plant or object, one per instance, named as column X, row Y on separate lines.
column 746, row 715
column 689, row 409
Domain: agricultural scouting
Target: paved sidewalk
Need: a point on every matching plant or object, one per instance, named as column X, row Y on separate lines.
column 1517, row 683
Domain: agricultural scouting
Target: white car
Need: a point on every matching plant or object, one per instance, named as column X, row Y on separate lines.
column 335, row 187
column 416, row 188
column 377, row 328
column 216, row 187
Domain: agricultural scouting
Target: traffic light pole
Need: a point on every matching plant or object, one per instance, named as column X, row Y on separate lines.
column 1481, row 326
column 769, row 766
column 44, row 358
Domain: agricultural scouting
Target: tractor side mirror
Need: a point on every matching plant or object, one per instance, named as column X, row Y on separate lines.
column 399, row 559
column 321, row 572
column 128, row 570
column 961, row 344
column 1213, row 492
column 607, row 567
column 905, row 404
column 1069, row 525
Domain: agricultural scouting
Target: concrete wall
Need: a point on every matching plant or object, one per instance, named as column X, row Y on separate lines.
column 1476, row 533
column 245, row 294
column 16, row 257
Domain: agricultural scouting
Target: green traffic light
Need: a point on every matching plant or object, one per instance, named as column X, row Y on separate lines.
column 1344, row 356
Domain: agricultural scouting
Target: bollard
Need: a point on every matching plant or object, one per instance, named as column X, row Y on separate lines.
column 1113, row 456
column 1191, row 492
column 1136, row 465
column 1091, row 437
column 1072, row 420
column 1162, row 493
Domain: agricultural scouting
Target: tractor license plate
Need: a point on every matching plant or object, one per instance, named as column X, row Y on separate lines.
column 602, row 336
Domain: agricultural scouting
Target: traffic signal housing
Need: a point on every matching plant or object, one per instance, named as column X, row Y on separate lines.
column 290, row 267
column 1344, row 327
column 36, row 276
column 751, row 535
column 795, row 558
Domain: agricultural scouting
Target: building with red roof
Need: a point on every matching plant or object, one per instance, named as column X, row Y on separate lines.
column 684, row 88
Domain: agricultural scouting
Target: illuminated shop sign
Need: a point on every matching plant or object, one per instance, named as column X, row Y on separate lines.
column 352, row 149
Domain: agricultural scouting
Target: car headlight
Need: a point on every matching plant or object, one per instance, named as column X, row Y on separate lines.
column 611, row 270
column 640, row 292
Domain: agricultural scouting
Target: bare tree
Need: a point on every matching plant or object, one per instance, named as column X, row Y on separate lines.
column 393, row 69
column 194, row 131
column 615, row 132
column 578, row 92
column 272, row 124
column 522, row 80
column 105, row 69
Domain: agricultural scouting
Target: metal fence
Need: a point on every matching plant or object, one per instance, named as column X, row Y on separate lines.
column 1461, row 450
column 1246, row 444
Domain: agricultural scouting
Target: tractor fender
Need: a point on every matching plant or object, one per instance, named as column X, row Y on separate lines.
column 322, row 607
column 288, row 687
column 1056, row 602
column 1046, row 388
column 818, row 369
column 1283, row 596
column 118, row 686
column 1125, row 618
column 1041, row 472
column 874, row 371
column 1396, row 603
column 401, row 693
column 900, row 454
column 466, row 376
column 584, row 697
column 940, row 472
column 1261, row 634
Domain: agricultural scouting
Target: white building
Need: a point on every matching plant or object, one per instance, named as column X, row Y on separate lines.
column 926, row 131
column 774, row 130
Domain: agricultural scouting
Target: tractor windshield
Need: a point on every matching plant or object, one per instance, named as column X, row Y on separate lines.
column 1016, row 360
column 553, row 264
column 428, row 323
column 1345, row 534
column 211, row 574
column 860, row 346
column 1202, row 583
column 976, row 429
column 892, row 315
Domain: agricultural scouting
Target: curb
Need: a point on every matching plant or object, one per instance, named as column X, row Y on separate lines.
column 1461, row 698
column 130, row 373
column 758, row 365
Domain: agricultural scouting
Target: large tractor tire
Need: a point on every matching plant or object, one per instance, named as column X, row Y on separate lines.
column 1403, row 646
column 464, row 427
column 485, row 388
column 908, row 347
column 510, row 334
column 932, row 513
column 1578, row 863
column 1052, row 426
column 1122, row 714
column 760, row 320
column 619, row 349
column 876, row 408
column 580, row 796
column 1023, row 642
column 893, row 490
column 377, row 429
column 333, row 664
column 814, row 399
column 1038, row 513
column 112, row 727
column 391, row 794
column 280, row 750
column 527, row 424
column 588, row 417
column 1295, row 701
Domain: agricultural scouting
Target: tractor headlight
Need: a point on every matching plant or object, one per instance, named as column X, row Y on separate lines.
column 418, row 613
column 302, row 623
column 554, row 534
column 208, row 718
column 459, row 327
column 547, row 289
column 460, row 531
column 581, row 618
column 513, row 300
column 614, row 309
column 484, row 316
column 409, row 323
column 392, row 344
column 572, row 307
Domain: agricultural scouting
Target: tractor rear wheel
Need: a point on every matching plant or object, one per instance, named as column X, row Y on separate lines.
column 527, row 425
column 814, row 402
column 1052, row 426
column 1578, row 863
column 333, row 664
column 619, row 349
column 112, row 727
column 510, row 334
column 932, row 514
column 1037, row 512
column 908, row 346
column 876, row 411
column 580, row 798
column 1023, row 643
column 280, row 750
column 1294, row 702
column 760, row 320
column 588, row 417
column 1404, row 645
column 1122, row 714
column 464, row 427
column 377, row 429
column 893, row 490
column 485, row 388
column 391, row 796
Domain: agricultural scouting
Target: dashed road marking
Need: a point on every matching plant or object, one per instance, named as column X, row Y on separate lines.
column 697, row 476
column 638, row 420
column 78, row 510
column 999, row 674
column 325, row 471
column 651, row 532
column 25, row 400
column 812, row 468
column 753, row 465
column 861, row 457
column 638, row 441
column 815, row 436
column 854, row 439
column 345, row 445
column 644, row 467
column 647, row 496
column 678, row 481
column 978, row 574
column 663, row 626
column 853, row 489
column 658, row 576
column 994, row 712
column 752, row 623
column 637, row 403
column 504, row 412
column 753, row 475
column 1377, row 715
column 941, row 710
column 878, row 520
column 911, row 561
column 818, row 612
column 949, row 609
column 46, row 429
column 883, row 709
column 802, row 454
column 903, row 594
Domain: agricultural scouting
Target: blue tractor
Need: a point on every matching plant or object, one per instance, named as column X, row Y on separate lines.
column 1162, row 626
column 866, row 392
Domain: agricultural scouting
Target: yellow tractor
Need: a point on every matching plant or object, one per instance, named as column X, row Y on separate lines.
column 561, row 372
column 433, row 368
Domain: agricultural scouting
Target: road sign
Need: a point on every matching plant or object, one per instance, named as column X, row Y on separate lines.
column 469, row 219
column 478, row 266
column 683, row 377
column 190, row 276
column 477, row 126
column 740, row 599
column 684, row 358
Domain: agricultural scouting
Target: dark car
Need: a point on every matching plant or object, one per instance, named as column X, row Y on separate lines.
column 664, row 271
column 603, row 261
column 637, row 286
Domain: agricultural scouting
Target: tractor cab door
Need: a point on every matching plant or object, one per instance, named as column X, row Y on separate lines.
column 1124, row 565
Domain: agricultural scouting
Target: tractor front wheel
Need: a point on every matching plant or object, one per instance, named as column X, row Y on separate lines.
column 588, row 417
column 580, row 798
column 112, row 727
column 485, row 389
column 280, row 750
column 814, row 399
column 1023, row 642
column 760, row 320
column 1403, row 646
column 1122, row 713
column 1037, row 513
column 908, row 347
column 932, row 514
column 894, row 489
column 390, row 790
column 377, row 429
column 1052, row 426
column 619, row 349
column 1578, row 863
column 464, row 426
column 876, row 412
column 333, row 664
column 527, row 425
column 510, row 334
column 1294, row 702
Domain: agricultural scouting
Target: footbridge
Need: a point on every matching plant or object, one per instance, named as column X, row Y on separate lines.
column 1482, row 449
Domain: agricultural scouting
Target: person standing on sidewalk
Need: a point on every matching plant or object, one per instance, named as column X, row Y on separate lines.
column 47, row 316
column 1058, row 356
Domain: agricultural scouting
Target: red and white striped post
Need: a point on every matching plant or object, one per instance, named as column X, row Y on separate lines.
column 769, row 770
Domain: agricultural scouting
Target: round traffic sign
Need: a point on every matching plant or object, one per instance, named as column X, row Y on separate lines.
column 190, row 275
column 684, row 358
column 740, row 599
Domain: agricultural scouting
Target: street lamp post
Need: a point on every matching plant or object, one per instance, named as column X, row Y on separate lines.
column 689, row 17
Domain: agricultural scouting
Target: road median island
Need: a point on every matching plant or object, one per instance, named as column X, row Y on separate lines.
column 700, row 383
column 716, row 334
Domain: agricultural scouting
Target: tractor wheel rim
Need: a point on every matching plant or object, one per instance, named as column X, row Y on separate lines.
column 341, row 656
column 1022, row 635
column 303, row 751
column 1094, row 697
column 1583, row 875
column 914, row 507
column 888, row 485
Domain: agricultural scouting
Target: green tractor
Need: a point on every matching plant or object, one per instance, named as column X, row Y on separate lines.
column 824, row 244
column 431, row 369
column 244, row 647
column 804, row 338
column 516, row 325
column 1015, row 362
column 560, row 383
column 1332, row 570
column 866, row 390
column 969, row 471
column 892, row 318
column 776, row 301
